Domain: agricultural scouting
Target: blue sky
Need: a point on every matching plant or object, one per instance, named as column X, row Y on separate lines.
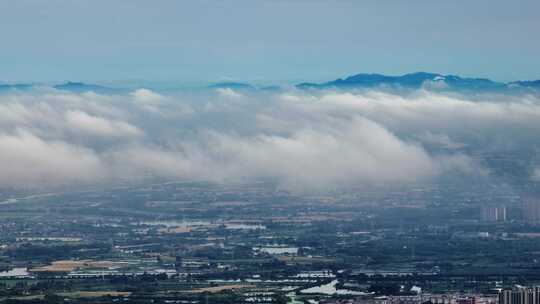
column 265, row 41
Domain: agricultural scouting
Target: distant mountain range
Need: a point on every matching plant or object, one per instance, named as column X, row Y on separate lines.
column 76, row 87
column 242, row 86
column 421, row 80
column 231, row 85
column 80, row 87
column 17, row 86
column 526, row 83
column 430, row 81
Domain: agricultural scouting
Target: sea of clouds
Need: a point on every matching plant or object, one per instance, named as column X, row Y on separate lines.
column 301, row 139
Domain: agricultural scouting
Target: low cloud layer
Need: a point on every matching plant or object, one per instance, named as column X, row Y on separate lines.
column 98, row 126
column 301, row 140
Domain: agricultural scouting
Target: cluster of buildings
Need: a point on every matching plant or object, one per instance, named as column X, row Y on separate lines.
column 517, row 295
column 423, row 299
column 529, row 210
column 520, row 295
column 493, row 213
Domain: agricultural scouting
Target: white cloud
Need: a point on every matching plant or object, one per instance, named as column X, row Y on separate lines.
column 359, row 152
column 27, row 160
column 146, row 96
column 228, row 93
column 439, row 140
column 94, row 125
column 302, row 140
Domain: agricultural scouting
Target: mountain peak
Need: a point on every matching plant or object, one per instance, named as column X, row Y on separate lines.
column 231, row 85
column 416, row 80
column 81, row 87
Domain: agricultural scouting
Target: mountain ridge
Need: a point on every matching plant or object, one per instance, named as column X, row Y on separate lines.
column 416, row 80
